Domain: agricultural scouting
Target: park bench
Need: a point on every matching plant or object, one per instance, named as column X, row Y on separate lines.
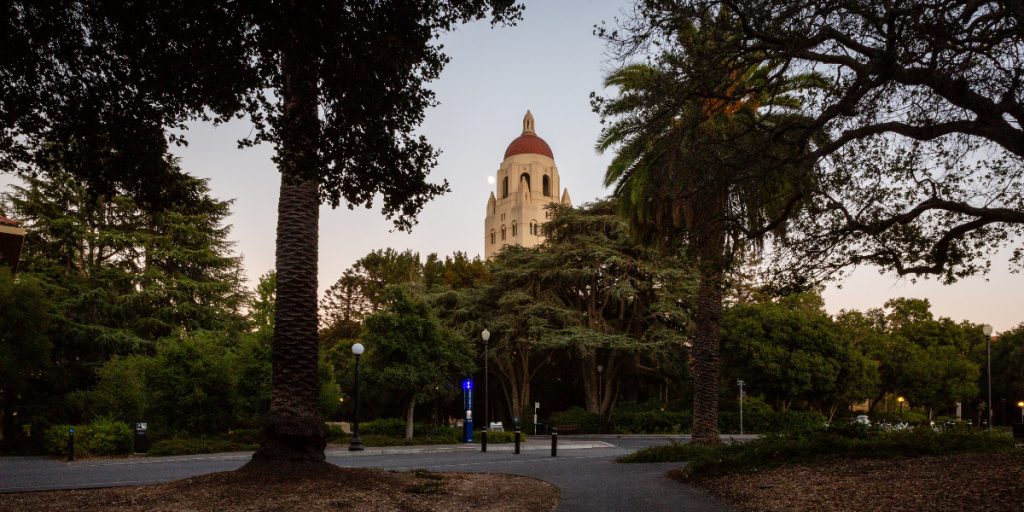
column 566, row 429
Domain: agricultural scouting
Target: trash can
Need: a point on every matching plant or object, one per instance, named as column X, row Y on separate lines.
column 141, row 442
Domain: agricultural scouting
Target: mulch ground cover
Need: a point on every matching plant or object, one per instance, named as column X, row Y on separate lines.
column 334, row 490
column 988, row 482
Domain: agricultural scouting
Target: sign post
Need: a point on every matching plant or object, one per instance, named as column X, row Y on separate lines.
column 467, row 402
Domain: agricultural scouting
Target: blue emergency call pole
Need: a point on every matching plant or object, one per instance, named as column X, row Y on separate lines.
column 467, row 402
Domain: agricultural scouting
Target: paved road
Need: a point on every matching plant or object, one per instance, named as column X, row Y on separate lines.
column 585, row 471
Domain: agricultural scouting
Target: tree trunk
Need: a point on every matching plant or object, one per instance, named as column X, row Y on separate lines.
column 706, row 381
column 293, row 430
column 408, row 418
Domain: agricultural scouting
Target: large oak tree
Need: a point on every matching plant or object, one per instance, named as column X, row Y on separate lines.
column 923, row 171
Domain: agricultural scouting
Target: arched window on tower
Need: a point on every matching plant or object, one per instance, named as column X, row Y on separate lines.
column 502, row 232
column 513, row 228
column 504, row 184
column 525, row 176
column 547, row 186
column 492, row 237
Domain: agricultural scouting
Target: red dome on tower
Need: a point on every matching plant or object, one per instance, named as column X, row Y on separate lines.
column 529, row 143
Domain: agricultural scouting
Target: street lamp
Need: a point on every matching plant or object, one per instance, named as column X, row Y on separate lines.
column 900, row 399
column 485, row 335
column 600, row 400
column 1021, row 405
column 987, row 331
column 357, row 444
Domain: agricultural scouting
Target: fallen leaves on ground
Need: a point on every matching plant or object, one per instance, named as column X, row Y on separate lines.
column 989, row 482
column 335, row 490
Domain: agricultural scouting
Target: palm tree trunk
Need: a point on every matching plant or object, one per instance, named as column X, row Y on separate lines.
column 706, row 380
column 294, row 431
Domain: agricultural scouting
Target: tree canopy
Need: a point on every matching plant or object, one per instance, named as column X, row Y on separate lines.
column 920, row 166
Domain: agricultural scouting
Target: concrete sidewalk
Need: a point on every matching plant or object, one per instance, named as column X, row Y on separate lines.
column 538, row 444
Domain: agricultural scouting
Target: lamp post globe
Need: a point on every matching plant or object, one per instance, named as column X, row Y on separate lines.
column 357, row 444
column 1021, row 405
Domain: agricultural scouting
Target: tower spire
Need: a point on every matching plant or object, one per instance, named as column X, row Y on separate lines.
column 528, row 124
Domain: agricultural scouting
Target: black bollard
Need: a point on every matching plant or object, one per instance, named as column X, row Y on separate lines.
column 483, row 441
column 554, row 441
column 71, row 444
column 517, row 440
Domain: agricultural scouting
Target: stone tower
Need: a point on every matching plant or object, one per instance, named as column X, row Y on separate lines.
column 527, row 181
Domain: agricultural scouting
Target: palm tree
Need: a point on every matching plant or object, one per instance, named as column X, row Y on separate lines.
column 696, row 169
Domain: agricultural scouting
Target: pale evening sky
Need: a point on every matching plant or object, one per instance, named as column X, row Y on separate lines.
column 549, row 64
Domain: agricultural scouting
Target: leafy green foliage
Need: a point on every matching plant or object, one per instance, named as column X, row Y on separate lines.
column 759, row 454
column 410, row 354
column 121, row 389
column 103, row 436
column 1007, row 369
column 697, row 167
column 586, row 422
column 651, row 422
column 117, row 277
column 193, row 384
column 193, row 445
column 25, row 344
column 919, row 357
column 791, row 352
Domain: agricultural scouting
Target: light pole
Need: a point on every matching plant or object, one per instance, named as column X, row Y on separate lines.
column 987, row 331
column 600, row 400
column 740, row 382
column 1021, row 405
column 357, row 444
column 486, row 335
column 900, row 399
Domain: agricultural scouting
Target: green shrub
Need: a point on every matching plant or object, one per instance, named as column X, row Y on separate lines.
column 586, row 422
column 335, row 434
column 105, row 436
column 652, row 422
column 55, row 440
column 193, row 445
column 101, row 437
column 192, row 384
column 379, row 440
column 392, row 427
column 912, row 417
column 438, row 431
column 771, row 422
column 673, row 452
column 794, row 422
column 772, row 451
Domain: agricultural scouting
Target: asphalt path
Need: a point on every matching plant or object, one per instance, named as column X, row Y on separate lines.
column 585, row 471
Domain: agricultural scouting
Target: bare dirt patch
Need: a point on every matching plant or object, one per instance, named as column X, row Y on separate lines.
column 989, row 482
column 334, row 490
